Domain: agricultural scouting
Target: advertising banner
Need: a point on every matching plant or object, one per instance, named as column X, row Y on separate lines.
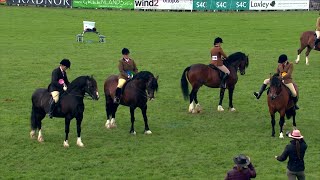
column 212, row 5
column 55, row 3
column 116, row 4
column 163, row 4
column 278, row 4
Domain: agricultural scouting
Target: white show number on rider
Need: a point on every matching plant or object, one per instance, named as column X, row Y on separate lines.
column 214, row 58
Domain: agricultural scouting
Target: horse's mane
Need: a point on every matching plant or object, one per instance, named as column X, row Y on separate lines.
column 145, row 76
column 78, row 82
column 275, row 81
column 235, row 57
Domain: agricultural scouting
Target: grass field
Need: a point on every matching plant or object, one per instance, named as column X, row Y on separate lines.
column 182, row 146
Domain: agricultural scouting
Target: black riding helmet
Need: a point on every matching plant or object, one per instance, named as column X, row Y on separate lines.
column 217, row 40
column 282, row 58
column 66, row 63
column 125, row 51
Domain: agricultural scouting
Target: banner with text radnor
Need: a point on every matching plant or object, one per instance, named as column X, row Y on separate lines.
column 221, row 5
column 116, row 4
column 48, row 3
column 278, row 4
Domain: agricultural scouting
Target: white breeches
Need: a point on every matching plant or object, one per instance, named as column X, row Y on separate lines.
column 55, row 96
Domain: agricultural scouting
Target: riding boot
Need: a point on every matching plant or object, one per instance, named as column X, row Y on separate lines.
column 117, row 96
column 262, row 89
column 223, row 81
column 51, row 109
column 295, row 100
column 316, row 43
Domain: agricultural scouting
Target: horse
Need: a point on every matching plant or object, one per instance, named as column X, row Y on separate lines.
column 279, row 101
column 201, row 74
column 135, row 93
column 307, row 40
column 70, row 105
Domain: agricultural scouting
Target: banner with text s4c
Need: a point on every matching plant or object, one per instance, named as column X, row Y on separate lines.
column 116, row 4
column 221, row 5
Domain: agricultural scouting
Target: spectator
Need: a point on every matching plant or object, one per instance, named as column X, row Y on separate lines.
column 243, row 169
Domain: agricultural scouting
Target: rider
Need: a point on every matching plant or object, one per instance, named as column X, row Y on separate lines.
column 317, row 33
column 127, row 68
column 216, row 60
column 59, row 82
column 285, row 69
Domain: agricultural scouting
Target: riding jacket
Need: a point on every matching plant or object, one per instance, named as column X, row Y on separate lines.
column 216, row 53
column 56, row 75
column 285, row 70
column 126, row 66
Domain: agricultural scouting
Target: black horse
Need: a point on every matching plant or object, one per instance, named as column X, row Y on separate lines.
column 135, row 93
column 70, row 106
column 201, row 74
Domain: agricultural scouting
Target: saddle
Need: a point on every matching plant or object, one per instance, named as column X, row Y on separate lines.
column 221, row 73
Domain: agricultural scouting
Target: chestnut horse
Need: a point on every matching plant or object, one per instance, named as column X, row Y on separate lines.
column 135, row 93
column 307, row 40
column 201, row 74
column 279, row 100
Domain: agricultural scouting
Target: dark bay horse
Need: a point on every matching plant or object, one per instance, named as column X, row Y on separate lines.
column 135, row 93
column 279, row 101
column 201, row 74
column 307, row 40
column 70, row 106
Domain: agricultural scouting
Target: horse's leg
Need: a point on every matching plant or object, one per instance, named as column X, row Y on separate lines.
column 281, row 123
column 193, row 96
column 220, row 108
column 307, row 55
column 132, row 121
column 79, row 141
column 108, row 112
column 198, row 108
column 230, row 90
column 145, row 118
column 113, row 111
column 67, row 129
column 39, row 118
column 294, row 119
column 273, row 123
column 302, row 47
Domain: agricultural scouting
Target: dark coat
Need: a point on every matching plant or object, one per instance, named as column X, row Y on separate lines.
column 56, row 75
column 245, row 174
column 294, row 164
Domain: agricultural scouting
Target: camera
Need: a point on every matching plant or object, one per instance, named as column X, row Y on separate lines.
column 287, row 133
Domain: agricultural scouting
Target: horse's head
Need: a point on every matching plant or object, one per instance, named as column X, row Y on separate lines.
column 239, row 61
column 275, row 86
column 91, row 88
column 152, row 86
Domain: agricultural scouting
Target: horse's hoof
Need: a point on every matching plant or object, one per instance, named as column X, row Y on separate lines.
column 65, row 144
column 32, row 134
column 40, row 139
column 133, row 133
column 198, row 108
column 232, row 109
column 281, row 135
column 147, row 132
column 79, row 142
column 108, row 124
column 307, row 64
column 297, row 62
column 220, row 108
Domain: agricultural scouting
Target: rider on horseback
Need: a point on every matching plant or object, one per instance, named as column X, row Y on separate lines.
column 216, row 60
column 284, row 69
column 127, row 68
column 317, row 33
column 59, row 82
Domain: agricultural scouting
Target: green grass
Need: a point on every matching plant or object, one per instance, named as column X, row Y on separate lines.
column 182, row 146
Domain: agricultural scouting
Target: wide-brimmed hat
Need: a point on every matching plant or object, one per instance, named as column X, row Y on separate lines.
column 295, row 134
column 66, row 63
column 282, row 58
column 241, row 160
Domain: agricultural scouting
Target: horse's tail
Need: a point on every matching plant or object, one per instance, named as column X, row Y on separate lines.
column 184, row 84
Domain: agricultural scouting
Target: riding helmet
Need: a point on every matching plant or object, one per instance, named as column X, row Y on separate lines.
column 218, row 40
column 125, row 51
column 66, row 63
column 282, row 58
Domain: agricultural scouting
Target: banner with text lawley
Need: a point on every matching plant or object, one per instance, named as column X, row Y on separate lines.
column 212, row 5
column 278, row 4
column 163, row 4
column 54, row 3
